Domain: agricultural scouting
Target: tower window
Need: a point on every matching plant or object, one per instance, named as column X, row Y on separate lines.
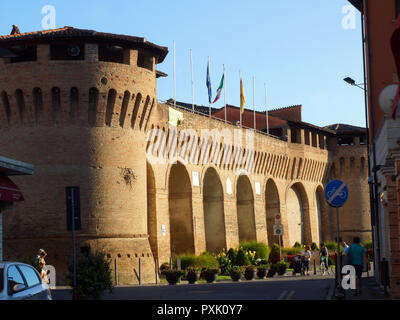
column 67, row 52
column 23, row 53
column 113, row 53
column 145, row 61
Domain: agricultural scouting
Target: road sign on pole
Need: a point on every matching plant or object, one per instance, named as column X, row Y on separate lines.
column 278, row 229
column 336, row 194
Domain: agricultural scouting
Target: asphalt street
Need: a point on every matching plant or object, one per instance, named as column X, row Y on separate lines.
column 282, row 288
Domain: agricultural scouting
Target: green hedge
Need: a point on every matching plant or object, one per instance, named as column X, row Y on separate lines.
column 261, row 249
column 205, row 260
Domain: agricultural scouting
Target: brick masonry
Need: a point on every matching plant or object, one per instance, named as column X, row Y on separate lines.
column 128, row 204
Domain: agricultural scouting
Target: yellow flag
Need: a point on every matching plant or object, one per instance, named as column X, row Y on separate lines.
column 242, row 99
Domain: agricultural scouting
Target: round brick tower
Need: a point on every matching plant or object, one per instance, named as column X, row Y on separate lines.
column 76, row 104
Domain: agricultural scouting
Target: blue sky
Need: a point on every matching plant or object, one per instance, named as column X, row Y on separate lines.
column 298, row 48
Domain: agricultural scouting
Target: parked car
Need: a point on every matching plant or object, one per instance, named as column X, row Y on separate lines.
column 19, row 281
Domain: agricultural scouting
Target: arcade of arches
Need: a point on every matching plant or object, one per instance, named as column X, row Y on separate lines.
column 205, row 216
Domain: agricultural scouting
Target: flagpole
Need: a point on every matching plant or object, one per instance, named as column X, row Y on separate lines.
column 266, row 107
column 191, row 72
column 254, row 105
column 209, row 103
column 174, row 78
column 224, row 92
column 240, row 103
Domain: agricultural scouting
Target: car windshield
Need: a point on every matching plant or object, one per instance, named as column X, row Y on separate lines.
column 1, row 279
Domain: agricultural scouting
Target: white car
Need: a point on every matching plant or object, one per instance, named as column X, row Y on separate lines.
column 20, row 281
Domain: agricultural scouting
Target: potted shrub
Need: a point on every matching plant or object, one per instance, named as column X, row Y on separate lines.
column 272, row 271
column 93, row 276
column 192, row 275
column 250, row 272
column 210, row 274
column 262, row 271
column 236, row 273
column 173, row 276
column 281, row 268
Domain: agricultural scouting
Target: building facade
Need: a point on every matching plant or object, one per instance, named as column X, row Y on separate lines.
column 155, row 180
column 381, row 78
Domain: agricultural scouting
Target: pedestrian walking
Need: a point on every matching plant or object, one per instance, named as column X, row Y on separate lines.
column 356, row 255
column 344, row 246
column 41, row 263
column 323, row 258
column 306, row 260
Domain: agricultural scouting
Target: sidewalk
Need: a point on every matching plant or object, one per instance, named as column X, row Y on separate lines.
column 370, row 291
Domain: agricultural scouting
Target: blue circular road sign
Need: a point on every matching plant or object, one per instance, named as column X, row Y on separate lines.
column 336, row 193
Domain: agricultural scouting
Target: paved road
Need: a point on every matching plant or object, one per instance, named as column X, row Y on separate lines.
column 283, row 288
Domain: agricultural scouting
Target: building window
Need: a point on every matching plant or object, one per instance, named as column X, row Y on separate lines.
column 113, row 53
column 24, row 54
column 145, row 61
column 67, row 52
column 396, row 8
column 345, row 141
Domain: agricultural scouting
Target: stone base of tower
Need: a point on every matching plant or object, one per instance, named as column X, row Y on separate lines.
column 124, row 255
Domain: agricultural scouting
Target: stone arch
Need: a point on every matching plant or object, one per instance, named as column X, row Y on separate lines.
column 245, row 209
column 213, row 205
column 324, row 224
column 298, row 216
column 151, row 209
column 272, row 207
column 180, row 210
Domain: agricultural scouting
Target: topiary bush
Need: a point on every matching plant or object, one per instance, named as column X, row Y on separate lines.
column 93, row 275
column 241, row 258
column 232, row 254
column 314, row 247
column 297, row 245
column 274, row 254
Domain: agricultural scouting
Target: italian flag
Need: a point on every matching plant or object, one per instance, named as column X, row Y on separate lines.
column 219, row 90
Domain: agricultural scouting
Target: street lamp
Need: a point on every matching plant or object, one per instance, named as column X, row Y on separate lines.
column 372, row 178
column 353, row 83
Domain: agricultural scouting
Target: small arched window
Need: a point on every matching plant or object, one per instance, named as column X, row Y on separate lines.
column 37, row 103
column 6, row 105
column 19, row 95
column 93, row 102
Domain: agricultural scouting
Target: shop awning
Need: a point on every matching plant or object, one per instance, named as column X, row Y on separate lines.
column 9, row 191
